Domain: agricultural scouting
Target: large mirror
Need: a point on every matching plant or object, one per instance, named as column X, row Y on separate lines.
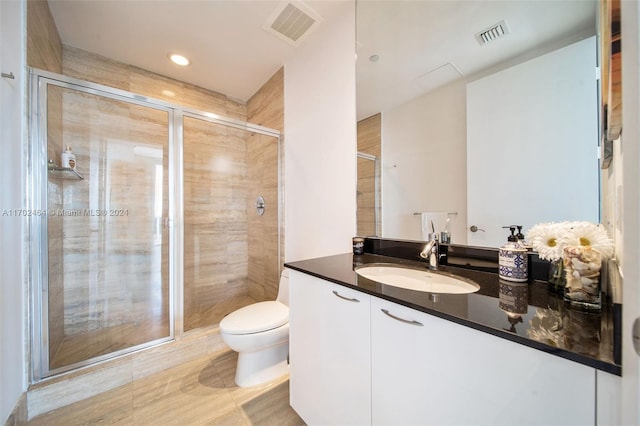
column 475, row 115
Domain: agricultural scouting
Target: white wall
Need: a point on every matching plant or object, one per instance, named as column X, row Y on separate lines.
column 424, row 163
column 540, row 168
column 320, row 142
column 12, row 288
column 629, row 200
column 432, row 129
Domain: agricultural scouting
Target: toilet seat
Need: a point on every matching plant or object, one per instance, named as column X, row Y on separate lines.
column 255, row 318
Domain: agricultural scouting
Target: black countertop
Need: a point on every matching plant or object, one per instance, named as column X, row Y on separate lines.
column 526, row 313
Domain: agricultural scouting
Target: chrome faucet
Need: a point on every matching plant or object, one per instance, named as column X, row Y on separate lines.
column 431, row 252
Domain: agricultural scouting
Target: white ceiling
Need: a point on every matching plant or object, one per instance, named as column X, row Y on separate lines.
column 232, row 54
column 424, row 44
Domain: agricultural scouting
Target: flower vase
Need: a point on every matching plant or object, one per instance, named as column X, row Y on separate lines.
column 557, row 280
column 582, row 271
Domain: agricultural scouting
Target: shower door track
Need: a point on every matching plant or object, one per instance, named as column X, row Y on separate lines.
column 37, row 202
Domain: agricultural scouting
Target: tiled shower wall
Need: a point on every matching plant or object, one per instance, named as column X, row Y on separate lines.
column 215, row 219
column 369, row 142
column 265, row 108
column 44, row 51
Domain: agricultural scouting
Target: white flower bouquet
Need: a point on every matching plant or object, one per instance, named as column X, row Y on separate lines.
column 581, row 246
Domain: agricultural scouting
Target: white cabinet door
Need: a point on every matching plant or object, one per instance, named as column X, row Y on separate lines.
column 442, row 373
column 330, row 353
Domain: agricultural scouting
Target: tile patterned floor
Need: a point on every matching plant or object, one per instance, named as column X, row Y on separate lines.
column 200, row 392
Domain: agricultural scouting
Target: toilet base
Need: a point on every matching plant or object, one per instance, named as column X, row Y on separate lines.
column 259, row 367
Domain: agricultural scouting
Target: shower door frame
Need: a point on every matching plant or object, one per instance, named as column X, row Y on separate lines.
column 37, row 203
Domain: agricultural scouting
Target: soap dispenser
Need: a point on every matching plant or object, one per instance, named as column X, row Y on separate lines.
column 521, row 239
column 513, row 261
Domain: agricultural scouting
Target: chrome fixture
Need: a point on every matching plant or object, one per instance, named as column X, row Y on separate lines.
column 431, row 252
column 260, row 206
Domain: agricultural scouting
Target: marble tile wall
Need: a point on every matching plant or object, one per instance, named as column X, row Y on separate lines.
column 98, row 69
column 265, row 108
column 44, row 47
column 55, row 223
column 44, row 51
column 215, row 218
column 369, row 142
column 113, row 260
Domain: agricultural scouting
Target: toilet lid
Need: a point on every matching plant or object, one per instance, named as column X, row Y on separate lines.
column 255, row 318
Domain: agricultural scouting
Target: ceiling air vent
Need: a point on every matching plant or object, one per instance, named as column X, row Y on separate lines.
column 292, row 22
column 493, row 32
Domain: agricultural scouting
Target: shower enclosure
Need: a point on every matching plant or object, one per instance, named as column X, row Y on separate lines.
column 368, row 195
column 155, row 231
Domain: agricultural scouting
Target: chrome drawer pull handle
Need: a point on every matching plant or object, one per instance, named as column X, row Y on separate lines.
column 345, row 298
column 412, row 322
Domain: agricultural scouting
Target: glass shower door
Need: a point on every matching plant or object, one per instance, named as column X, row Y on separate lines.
column 107, row 282
column 231, row 239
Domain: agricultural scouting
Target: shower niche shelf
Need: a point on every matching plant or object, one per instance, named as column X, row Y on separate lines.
column 64, row 173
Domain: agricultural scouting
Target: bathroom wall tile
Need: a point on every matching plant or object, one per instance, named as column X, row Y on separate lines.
column 112, row 264
column 215, row 219
column 369, row 131
column 265, row 108
column 94, row 68
column 114, row 255
column 44, row 47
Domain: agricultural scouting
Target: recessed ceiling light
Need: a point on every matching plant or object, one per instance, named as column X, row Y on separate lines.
column 179, row 59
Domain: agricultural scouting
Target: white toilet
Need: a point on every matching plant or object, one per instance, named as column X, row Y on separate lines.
column 260, row 334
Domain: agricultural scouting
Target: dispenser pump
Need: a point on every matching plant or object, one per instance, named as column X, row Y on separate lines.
column 512, row 259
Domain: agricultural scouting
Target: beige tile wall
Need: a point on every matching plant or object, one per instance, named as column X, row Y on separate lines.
column 44, row 48
column 44, row 51
column 255, row 257
column 369, row 142
column 215, row 218
column 98, row 69
column 265, row 108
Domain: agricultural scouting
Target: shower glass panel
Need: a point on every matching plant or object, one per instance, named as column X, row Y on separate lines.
column 368, row 195
column 108, row 244
column 231, row 255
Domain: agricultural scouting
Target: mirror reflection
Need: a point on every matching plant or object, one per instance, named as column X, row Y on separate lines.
column 475, row 115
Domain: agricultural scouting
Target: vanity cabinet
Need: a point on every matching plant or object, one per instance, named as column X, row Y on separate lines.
column 329, row 352
column 430, row 371
column 357, row 359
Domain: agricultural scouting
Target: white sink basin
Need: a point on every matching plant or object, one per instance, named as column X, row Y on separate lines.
column 417, row 279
